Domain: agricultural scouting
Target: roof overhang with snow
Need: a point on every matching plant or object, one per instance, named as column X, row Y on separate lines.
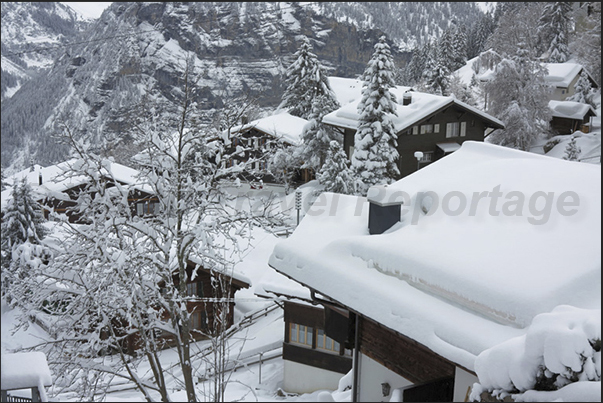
column 421, row 107
column 571, row 110
column 460, row 280
column 280, row 126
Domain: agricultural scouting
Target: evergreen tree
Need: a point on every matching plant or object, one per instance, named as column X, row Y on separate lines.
column 306, row 80
column 438, row 76
column 583, row 90
column 553, row 30
column 478, row 35
column 316, row 136
column 22, row 221
column 2, row 180
column 586, row 44
column 22, row 233
column 336, row 175
column 459, row 47
column 572, row 151
column 375, row 144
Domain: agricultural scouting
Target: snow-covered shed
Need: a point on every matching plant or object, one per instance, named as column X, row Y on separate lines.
column 477, row 245
column 569, row 116
column 25, row 371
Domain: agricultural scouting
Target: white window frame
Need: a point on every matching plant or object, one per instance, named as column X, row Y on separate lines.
column 463, row 132
column 452, row 129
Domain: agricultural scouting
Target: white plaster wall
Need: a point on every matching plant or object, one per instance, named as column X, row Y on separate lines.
column 301, row 378
column 463, row 381
column 372, row 375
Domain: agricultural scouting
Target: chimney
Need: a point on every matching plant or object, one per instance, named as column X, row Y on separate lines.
column 40, row 178
column 406, row 98
column 383, row 213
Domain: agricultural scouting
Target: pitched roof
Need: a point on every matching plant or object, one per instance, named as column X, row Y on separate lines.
column 281, row 125
column 570, row 109
column 56, row 180
column 460, row 283
column 422, row 105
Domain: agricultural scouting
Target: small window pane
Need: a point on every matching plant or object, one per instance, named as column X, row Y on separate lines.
column 320, row 340
column 293, row 332
column 309, row 336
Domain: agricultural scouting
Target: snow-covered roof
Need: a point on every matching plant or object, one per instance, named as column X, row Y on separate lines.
column 281, row 125
column 570, row 109
column 422, row 105
column 25, row 370
column 502, row 235
column 449, row 147
column 559, row 75
column 55, row 181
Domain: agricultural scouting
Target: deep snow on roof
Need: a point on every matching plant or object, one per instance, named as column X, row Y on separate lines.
column 460, row 280
column 281, row 125
column 56, row 179
column 570, row 109
column 421, row 105
column 562, row 74
column 25, row 370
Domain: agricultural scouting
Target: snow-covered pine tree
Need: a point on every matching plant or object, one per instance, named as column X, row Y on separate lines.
column 22, row 221
column 306, row 80
column 459, row 46
column 518, row 95
column 22, row 232
column 336, row 175
column 375, row 156
column 572, row 151
column 317, row 136
column 553, row 30
column 582, row 88
column 586, row 41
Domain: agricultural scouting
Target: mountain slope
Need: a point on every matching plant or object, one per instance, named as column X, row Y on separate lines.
column 134, row 56
column 29, row 26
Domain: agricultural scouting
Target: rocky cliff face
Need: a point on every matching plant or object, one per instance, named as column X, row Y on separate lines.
column 129, row 66
column 30, row 25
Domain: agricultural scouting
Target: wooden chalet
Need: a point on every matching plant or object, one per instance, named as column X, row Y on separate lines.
column 418, row 301
column 209, row 292
column 433, row 125
column 313, row 359
column 569, row 117
column 58, row 192
column 253, row 141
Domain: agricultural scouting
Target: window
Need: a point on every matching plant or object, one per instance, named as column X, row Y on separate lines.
column 427, row 157
column 147, row 207
column 198, row 320
column 426, row 129
column 463, row 129
column 194, row 289
column 300, row 334
column 415, row 130
column 324, row 342
column 452, row 129
column 436, row 128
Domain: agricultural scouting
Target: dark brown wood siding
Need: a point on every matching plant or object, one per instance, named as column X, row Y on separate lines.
column 409, row 143
column 316, row 358
column 313, row 317
column 402, row 355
